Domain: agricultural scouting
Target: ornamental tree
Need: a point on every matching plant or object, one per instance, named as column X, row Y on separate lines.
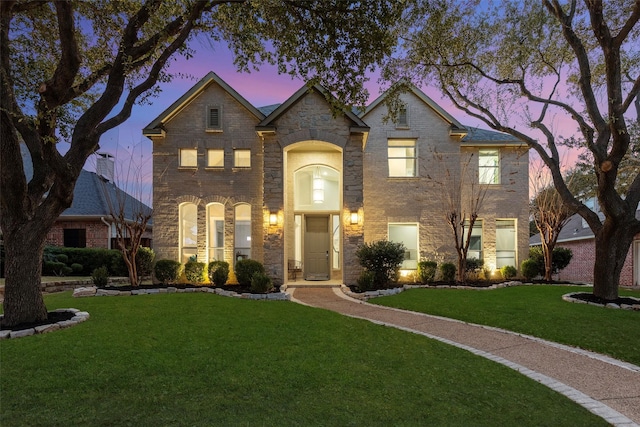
column 524, row 67
column 72, row 70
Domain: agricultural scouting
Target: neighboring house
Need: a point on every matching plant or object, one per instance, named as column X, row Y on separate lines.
column 296, row 185
column 87, row 222
column 577, row 236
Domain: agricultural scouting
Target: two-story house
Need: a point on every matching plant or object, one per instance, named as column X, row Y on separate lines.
column 299, row 185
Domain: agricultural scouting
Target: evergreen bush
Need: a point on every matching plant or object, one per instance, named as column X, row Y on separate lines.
column 218, row 272
column 261, row 283
column 508, row 272
column 366, row 281
column 77, row 268
column 100, row 276
column 167, row 271
column 448, row 271
column 529, row 269
column 144, row 261
column 194, row 272
column 245, row 269
column 427, row 271
column 383, row 259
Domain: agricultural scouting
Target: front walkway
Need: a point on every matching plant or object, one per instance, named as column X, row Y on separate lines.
column 607, row 387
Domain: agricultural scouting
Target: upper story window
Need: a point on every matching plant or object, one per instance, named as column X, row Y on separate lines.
column 489, row 166
column 215, row 158
column 188, row 158
column 214, row 118
column 403, row 118
column 241, row 158
column 402, row 158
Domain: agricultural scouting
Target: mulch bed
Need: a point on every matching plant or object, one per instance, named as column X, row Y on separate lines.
column 52, row 317
column 233, row 288
column 584, row 296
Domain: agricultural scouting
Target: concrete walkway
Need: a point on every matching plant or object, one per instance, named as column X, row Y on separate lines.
column 607, row 387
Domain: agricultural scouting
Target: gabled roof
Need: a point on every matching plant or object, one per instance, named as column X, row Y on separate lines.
column 455, row 124
column 91, row 195
column 267, row 123
column 155, row 127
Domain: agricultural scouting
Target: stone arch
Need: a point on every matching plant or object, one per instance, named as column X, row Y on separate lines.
column 313, row 135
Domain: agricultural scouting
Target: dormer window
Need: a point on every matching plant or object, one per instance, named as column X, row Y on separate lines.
column 214, row 118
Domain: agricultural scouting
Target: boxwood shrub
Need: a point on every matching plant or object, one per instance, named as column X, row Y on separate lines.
column 194, row 272
column 245, row 269
column 218, row 272
column 167, row 271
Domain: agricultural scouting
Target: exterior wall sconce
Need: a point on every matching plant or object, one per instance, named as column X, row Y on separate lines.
column 354, row 218
column 273, row 218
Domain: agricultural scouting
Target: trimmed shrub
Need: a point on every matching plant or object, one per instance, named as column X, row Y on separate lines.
column 474, row 265
column 194, row 271
column 384, row 259
column 508, row 272
column 53, row 268
column 144, row 261
column 100, row 276
column 62, row 258
column 261, row 283
column 76, row 268
column 560, row 258
column 245, row 269
column 486, row 272
column 427, row 271
column 90, row 259
column 448, row 271
column 167, row 271
column 218, row 272
column 529, row 269
column 366, row 281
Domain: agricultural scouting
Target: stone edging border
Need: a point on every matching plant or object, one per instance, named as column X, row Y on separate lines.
column 365, row 296
column 91, row 291
column 569, row 298
column 78, row 317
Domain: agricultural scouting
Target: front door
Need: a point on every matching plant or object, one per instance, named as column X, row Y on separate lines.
column 316, row 248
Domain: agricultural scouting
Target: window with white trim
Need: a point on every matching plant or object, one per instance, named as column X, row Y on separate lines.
column 505, row 242
column 402, row 158
column 489, row 166
column 242, row 232
column 214, row 118
column 188, row 158
column 215, row 158
column 241, row 158
column 188, row 217
column 215, row 232
column 407, row 234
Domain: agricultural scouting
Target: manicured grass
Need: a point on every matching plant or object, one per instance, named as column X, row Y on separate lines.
column 534, row 310
column 200, row 359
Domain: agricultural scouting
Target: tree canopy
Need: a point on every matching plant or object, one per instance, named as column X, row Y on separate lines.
column 523, row 67
column 72, row 70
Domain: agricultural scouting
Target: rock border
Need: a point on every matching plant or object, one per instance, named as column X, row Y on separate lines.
column 634, row 307
column 78, row 317
column 365, row 296
column 92, row 291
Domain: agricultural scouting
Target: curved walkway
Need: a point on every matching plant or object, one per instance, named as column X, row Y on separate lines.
column 607, row 387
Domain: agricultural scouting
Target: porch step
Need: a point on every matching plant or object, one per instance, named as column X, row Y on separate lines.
column 313, row 284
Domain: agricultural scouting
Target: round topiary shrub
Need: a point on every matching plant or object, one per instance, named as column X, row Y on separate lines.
column 144, row 261
column 77, row 268
column 427, row 271
column 194, row 271
column 529, row 268
column 383, row 258
column 218, row 272
column 100, row 276
column 448, row 271
column 245, row 269
column 261, row 283
column 508, row 272
column 167, row 271
column 366, row 281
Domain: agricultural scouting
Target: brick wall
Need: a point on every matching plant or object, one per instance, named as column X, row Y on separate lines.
column 97, row 233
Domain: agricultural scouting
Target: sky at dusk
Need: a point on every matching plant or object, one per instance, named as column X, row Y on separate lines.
column 260, row 88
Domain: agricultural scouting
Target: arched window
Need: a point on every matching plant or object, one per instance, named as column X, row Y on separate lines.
column 242, row 234
column 188, row 231
column 317, row 188
column 215, row 232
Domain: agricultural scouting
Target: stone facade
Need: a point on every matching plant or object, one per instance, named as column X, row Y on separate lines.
column 298, row 140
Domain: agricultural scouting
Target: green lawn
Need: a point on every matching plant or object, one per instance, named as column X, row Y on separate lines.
column 203, row 360
column 534, row 310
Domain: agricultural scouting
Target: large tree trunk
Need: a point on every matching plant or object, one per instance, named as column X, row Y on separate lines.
column 23, row 302
column 612, row 245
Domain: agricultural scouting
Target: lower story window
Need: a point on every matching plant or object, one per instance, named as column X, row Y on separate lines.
column 475, row 243
column 505, row 242
column 407, row 234
column 242, row 235
column 188, row 232
column 75, row 237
